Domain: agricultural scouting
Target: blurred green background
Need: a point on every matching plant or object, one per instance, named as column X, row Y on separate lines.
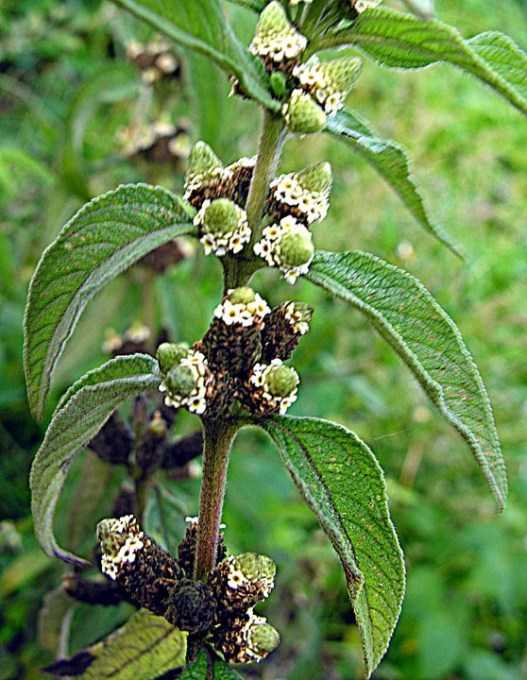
column 66, row 90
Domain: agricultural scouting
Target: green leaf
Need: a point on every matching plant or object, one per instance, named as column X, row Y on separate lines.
column 104, row 238
column 255, row 5
column 198, row 669
column 343, row 484
column 143, row 649
column 202, row 26
column 391, row 162
column 88, row 405
column 400, row 40
column 426, row 338
column 223, row 671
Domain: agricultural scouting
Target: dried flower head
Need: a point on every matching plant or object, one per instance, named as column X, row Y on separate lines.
column 120, row 541
column 247, row 639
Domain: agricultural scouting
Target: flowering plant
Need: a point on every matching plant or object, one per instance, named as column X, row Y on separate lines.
column 197, row 608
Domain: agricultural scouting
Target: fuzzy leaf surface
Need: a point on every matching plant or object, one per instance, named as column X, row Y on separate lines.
column 399, row 40
column 143, row 649
column 106, row 236
column 202, row 26
column 402, row 310
column 73, row 425
column 392, row 164
column 343, row 484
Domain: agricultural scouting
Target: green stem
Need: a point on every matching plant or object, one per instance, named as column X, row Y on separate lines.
column 218, row 438
column 269, row 151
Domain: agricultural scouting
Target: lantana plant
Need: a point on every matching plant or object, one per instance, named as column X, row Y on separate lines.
column 197, row 607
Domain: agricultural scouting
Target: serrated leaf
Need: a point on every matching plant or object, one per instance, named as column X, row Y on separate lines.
column 391, row 162
column 79, row 419
column 143, row 649
column 399, row 40
column 104, row 238
column 343, row 484
column 202, row 26
column 428, row 341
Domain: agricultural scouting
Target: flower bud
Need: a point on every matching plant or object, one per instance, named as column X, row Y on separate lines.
column 223, row 226
column 203, row 164
column 329, row 82
column 241, row 296
column 180, row 381
column 262, row 639
column 303, row 115
column 296, row 248
column 169, row 354
column 276, row 40
column 281, row 381
column 316, row 179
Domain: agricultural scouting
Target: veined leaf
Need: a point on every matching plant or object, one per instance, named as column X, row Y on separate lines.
column 202, row 26
column 143, row 649
column 103, row 239
column 427, row 340
column 343, row 484
column 391, row 162
column 399, row 40
column 82, row 414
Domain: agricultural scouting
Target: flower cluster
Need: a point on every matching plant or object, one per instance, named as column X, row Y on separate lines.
column 305, row 194
column 155, row 60
column 276, row 41
column 186, row 377
column 242, row 306
column 249, row 638
column 287, row 245
column 298, row 316
column 223, row 227
column 120, row 540
column 274, row 387
column 243, row 580
column 329, row 83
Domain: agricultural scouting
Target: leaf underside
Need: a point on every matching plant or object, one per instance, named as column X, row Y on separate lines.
column 108, row 235
column 399, row 40
column 343, row 484
column 202, row 26
column 84, row 410
column 392, row 164
column 412, row 322
column 143, row 649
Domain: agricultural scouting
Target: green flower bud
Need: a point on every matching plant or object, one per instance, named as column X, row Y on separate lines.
column 242, row 296
column 303, row 115
column 341, row 74
column 202, row 162
column 221, row 217
column 273, row 21
column 169, row 354
column 296, row 248
column 281, row 381
column 316, row 178
column 181, row 381
column 255, row 567
column 263, row 638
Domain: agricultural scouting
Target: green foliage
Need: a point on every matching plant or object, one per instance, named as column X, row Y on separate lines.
column 74, row 423
column 102, row 240
column 343, row 484
column 403, row 41
column 392, row 164
column 203, row 27
column 145, row 647
column 408, row 317
column 204, row 668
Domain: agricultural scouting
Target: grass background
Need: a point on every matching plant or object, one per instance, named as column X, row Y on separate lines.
column 465, row 613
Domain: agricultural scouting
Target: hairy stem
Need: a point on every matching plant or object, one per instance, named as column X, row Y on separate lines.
column 269, row 150
column 218, row 437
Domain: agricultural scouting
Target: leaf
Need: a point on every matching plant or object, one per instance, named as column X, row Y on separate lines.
column 143, row 649
column 391, row 162
column 106, row 236
column 399, row 40
column 343, row 484
column 199, row 669
column 202, row 26
column 56, row 607
column 427, row 340
column 74, row 424
column 255, row 5
column 223, row 671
